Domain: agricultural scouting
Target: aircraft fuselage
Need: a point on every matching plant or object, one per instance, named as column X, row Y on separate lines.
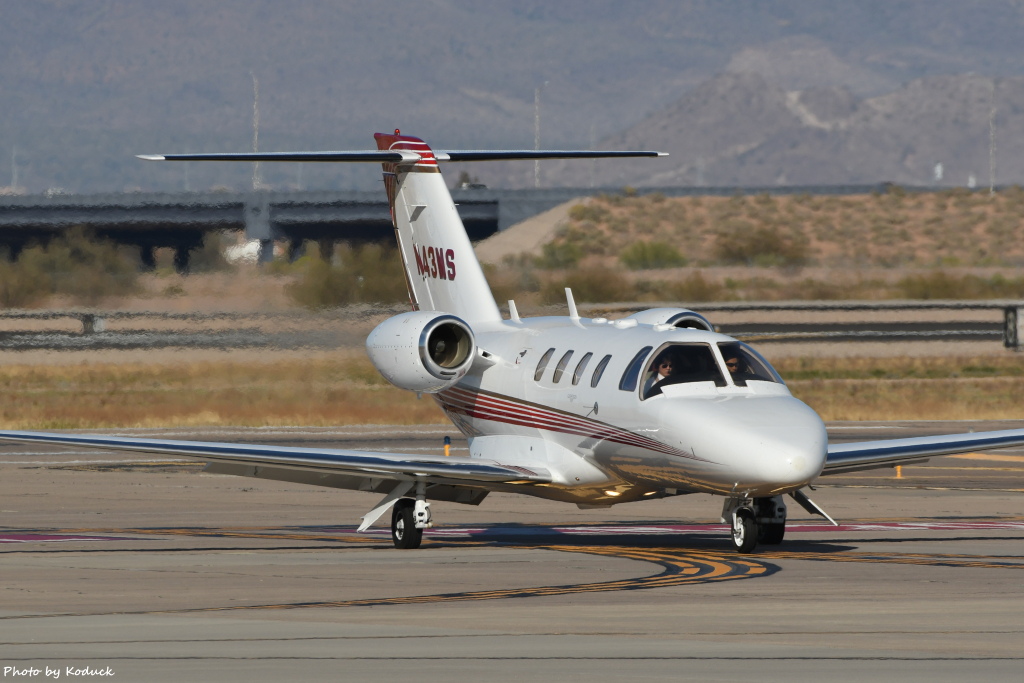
column 540, row 397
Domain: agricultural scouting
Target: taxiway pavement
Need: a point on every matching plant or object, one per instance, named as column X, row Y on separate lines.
column 163, row 573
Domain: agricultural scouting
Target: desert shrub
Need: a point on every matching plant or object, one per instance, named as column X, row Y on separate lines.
column 649, row 255
column 76, row 265
column 209, row 258
column 588, row 212
column 510, row 281
column 365, row 274
column 18, row 288
column 695, row 287
column 761, row 246
column 559, row 255
column 589, row 284
column 941, row 285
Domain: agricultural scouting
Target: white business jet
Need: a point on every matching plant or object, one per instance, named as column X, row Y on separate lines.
column 594, row 412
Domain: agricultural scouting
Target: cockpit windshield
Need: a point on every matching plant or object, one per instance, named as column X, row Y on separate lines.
column 745, row 364
column 679, row 363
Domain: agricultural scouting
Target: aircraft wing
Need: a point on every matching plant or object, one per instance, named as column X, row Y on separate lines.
column 458, row 470
column 866, row 455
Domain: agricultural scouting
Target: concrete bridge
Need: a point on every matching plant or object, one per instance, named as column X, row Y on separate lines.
column 182, row 220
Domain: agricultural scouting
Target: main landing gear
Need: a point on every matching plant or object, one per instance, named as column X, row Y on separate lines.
column 404, row 533
column 755, row 520
column 409, row 516
column 408, row 520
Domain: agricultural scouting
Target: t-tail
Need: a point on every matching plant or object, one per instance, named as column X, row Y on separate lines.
column 441, row 269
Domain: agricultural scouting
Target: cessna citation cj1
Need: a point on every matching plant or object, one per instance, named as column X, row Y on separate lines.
column 594, row 412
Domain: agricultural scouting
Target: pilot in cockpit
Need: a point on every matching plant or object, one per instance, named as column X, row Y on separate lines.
column 743, row 366
column 738, row 369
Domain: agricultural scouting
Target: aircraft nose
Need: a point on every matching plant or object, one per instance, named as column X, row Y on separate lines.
column 772, row 444
column 786, row 445
column 790, row 457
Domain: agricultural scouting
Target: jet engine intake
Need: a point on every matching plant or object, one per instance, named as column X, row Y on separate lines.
column 423, row 351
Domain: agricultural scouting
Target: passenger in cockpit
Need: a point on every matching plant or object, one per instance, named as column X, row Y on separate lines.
column 664, row 366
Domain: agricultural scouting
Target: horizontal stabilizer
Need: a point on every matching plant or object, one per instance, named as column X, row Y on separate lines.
column 516, row 154
column 403, row 156
column 370, row 155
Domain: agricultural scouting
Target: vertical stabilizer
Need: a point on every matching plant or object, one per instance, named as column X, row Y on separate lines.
column 441, row 269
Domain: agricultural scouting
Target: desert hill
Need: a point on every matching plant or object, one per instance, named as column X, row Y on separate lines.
column 89, row 83
column 739, row 129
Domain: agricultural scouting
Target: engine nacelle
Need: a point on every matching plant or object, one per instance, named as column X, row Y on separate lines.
column 677, row 317
column 422, row 350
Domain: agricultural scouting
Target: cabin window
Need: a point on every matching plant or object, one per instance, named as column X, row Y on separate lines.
column 580, row 367
column 543, row 364
column 745, row 364
column 599, row 370
column 560, row 368
column 632, row 374
column 681, row 363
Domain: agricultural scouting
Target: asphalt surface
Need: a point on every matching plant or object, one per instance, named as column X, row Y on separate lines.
column 163, row 573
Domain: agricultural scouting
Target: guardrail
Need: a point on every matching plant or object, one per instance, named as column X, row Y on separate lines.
column 94, row 322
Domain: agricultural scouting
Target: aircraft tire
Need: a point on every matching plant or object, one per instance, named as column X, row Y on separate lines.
column 772, row 534
column 744, row 531
column 404, row 533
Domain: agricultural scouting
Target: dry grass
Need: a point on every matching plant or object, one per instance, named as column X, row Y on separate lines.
column 928, row 399
column 288, row 390
column 931, row 388
column 949, row 367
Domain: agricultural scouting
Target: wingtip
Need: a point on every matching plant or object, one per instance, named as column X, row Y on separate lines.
column 151, row 157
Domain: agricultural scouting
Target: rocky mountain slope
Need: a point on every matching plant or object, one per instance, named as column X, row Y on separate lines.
column 740, row 129
column 89, row 83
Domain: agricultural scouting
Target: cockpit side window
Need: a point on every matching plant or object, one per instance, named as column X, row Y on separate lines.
column 580, row 367
column 681, row 363
column 745, row 364
column 560, row 368
column 599, row 371
column 632, row 374
column 543, row 364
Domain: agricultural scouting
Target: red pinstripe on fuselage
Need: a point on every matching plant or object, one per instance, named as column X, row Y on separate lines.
column 485, row 405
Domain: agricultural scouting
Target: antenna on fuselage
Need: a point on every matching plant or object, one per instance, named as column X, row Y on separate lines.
column 513, row 312
column 574, row 315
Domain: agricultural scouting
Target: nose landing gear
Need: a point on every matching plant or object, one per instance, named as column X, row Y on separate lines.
column 755, row 520
column 744, row 530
